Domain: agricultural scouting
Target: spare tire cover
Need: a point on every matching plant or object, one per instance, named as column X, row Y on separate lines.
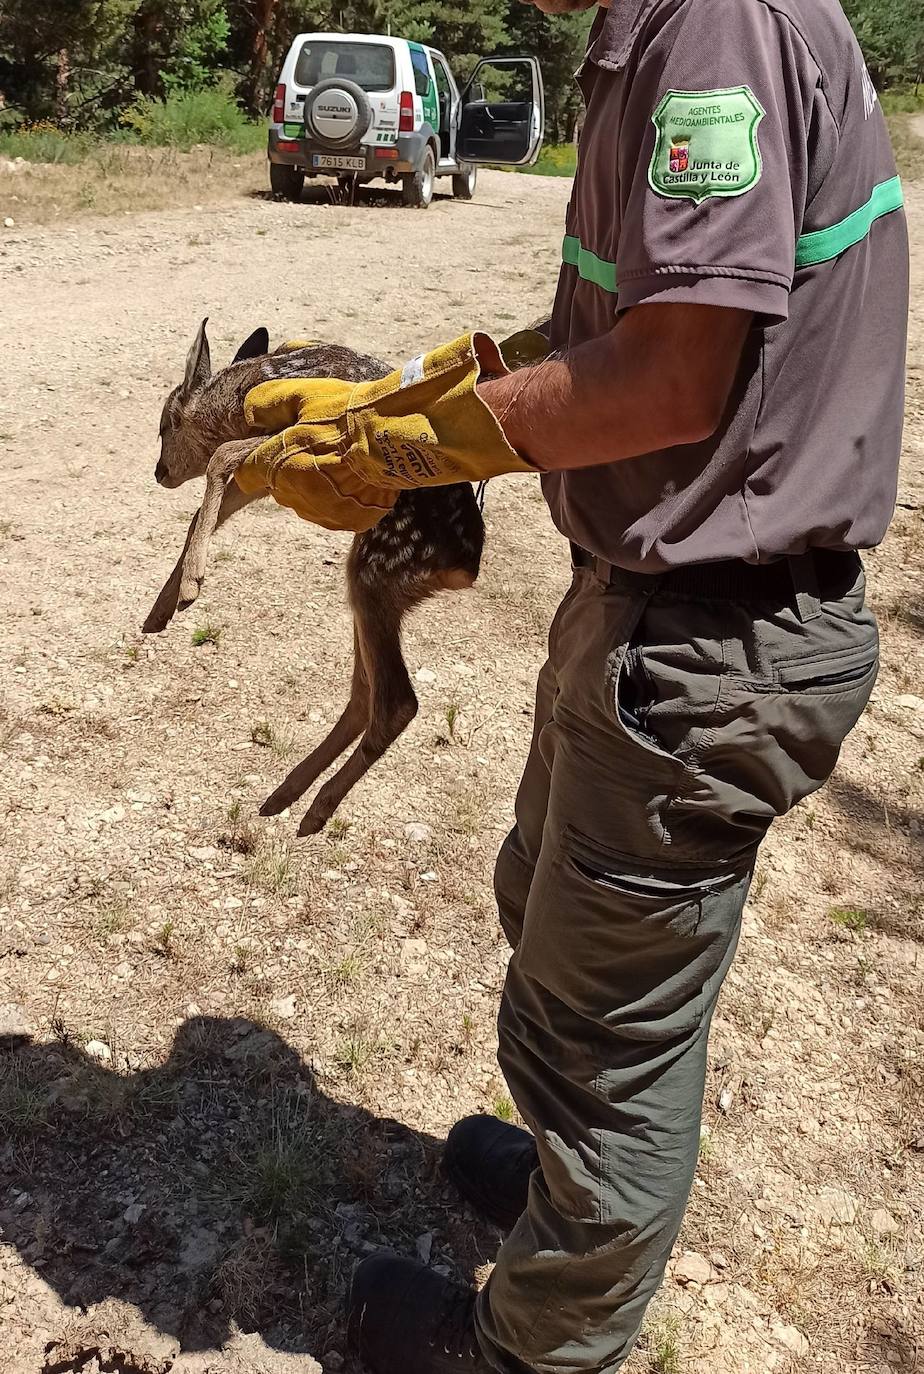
column 337, row 112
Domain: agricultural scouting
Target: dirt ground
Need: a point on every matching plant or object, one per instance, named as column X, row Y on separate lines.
column 229, row 1058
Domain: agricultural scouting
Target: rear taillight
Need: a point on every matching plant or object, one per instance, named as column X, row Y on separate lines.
column 279, row 105
column 406, row 113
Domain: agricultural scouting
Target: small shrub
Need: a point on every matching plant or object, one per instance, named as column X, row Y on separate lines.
column 902, row 100
column 163, row 940
column 23, row 1106
column 267, row 736
column 271, row 868
column 664, row 1345
column 502, row 1108
column 849, row 918
column 240, row 837
column 285, row 1168
column 358, row 1051
column 186, row 118
column 348, row 970
column 43, row 142
column 555, row 160
column 206, row 634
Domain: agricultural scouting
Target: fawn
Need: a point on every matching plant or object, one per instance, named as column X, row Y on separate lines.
column 430, row 541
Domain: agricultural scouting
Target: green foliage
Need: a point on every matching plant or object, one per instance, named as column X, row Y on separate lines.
column 903, row 100
column 849, row 918
column 891, row 34
column 185, row 118
column 555, row 160
column 45, row 143
column 177, row 45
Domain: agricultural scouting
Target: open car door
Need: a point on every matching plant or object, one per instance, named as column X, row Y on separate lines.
column 503, row 113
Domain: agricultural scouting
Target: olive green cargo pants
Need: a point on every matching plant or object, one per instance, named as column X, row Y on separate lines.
column 675, row 718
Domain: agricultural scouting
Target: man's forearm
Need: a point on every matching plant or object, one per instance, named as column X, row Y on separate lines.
column 660, row 378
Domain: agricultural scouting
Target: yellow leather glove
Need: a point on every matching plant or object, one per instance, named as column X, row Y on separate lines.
column 340, row 451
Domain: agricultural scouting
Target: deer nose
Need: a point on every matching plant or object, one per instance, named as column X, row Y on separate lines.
column 160, row 472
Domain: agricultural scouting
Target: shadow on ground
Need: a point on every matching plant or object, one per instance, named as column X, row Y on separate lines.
column 221, row 1187
column 385, row 197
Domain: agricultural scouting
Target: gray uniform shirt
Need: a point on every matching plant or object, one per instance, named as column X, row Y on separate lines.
column 734, row 153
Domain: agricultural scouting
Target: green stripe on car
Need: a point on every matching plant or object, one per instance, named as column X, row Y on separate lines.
column 820, row 246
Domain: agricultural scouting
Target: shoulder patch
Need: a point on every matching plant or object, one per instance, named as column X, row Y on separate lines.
column 706, row 144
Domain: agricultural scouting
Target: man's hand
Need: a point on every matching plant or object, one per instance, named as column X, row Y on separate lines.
column 660, row 378
column 341, row 451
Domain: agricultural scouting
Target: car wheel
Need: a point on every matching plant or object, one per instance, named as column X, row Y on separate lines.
column 464, row 182
column 286, row 181
column 417, row 189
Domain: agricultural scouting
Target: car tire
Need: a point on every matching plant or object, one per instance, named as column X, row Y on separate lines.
column 286, row 181
column 464, row 182
column 417, row 189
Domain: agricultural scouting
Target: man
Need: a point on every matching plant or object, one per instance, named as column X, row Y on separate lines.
column 719, row 429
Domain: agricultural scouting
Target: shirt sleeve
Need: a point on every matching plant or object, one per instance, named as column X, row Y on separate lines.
column 713, row 158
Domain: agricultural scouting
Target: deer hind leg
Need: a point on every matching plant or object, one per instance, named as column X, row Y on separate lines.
column 392, row 703
column 352, row 723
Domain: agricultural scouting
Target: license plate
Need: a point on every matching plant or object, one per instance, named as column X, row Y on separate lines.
column 339, row 164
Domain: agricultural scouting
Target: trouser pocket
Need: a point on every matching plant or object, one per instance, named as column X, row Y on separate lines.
column 629, row 946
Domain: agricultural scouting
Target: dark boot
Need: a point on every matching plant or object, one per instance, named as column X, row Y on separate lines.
column 490, row 1162
column 406, row 1319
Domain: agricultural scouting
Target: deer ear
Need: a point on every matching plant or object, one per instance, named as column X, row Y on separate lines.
column 198, row 362
column 253, row 347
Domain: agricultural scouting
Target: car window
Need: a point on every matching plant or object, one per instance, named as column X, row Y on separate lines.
column 370, row 65
column 421, row 71
column 444, row 83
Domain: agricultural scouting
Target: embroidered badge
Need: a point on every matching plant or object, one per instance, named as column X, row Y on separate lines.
column 706, row 144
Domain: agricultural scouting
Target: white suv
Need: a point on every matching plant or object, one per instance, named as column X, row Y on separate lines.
column 362, row 106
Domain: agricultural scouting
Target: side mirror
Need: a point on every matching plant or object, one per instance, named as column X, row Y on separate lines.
column 503, row 112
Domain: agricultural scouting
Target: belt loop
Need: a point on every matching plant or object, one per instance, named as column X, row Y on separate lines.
column 603, row 571
column 805, row 585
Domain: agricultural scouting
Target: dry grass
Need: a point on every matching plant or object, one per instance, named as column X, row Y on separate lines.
column 122, row 178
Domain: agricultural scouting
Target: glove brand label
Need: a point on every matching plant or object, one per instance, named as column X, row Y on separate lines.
column 406, row 461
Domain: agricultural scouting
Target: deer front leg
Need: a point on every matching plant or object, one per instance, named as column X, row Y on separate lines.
column 219, row 475
column 164, row 608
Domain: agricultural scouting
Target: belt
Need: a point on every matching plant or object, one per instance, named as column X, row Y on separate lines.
column 805, row 579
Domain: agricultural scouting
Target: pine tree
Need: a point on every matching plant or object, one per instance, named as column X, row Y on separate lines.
column 64, row 59
column 891, row 34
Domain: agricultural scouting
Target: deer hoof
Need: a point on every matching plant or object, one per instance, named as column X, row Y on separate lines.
column 155, row 624
column 313, row 823
column 274, row 804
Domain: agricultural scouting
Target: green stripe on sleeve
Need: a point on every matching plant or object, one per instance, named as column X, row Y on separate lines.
column 825, row 244
column 820, row 246
column 589, row 266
